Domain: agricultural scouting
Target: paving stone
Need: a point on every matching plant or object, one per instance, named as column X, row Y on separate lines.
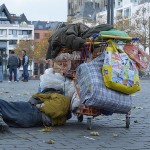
column 72, row 135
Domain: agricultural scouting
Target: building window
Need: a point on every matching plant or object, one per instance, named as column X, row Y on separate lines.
column 119, row 14
column 4, row 22
column 3, row 32
column 3, row 15
column 37, row 35
column 12, row 42
column 69, row 6
column 12, row 32
column 29, row 32
column 142, row 1
column 25, row 32
column 133, row 1
column 127, row 12
column 40, row 27
column 16, row 22
column 119, row 3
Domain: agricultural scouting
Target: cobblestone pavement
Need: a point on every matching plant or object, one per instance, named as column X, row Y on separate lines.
column 74, row 135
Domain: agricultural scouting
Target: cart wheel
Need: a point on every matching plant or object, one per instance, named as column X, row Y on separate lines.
column 80, row 118
column 89, row 123
column 127, row 121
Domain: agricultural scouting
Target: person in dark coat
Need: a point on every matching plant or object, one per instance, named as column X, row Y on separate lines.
column 13, row 63
column 25, row 62
column 1, row 71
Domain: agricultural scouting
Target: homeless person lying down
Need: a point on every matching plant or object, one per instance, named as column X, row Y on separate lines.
column 47, row 108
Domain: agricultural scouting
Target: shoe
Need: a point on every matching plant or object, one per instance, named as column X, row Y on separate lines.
column 25, row 80
column 3, row 126
column 9, row 81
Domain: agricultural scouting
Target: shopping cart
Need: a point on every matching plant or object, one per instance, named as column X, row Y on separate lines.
column 90, row 50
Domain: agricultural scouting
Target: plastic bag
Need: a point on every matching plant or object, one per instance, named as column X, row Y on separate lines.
column 137, row 54
column 75, row 101
column 51, row 80
column 94, row 93
column 119, row 71
column 69, row 88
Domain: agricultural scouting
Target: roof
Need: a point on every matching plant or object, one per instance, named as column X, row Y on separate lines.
column 12, row 17
column 4, row 9
column 44, row 25
column 54, row 26
column 40, row 25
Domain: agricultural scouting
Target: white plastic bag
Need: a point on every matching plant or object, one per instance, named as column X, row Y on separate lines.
column 51, row 80
column 69, row 88
column 75, row 102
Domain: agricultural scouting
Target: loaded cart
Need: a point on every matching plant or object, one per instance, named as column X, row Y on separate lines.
column 92, row 53
column 102, row 69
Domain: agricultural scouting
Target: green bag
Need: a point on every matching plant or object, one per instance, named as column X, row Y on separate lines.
column 114, row 32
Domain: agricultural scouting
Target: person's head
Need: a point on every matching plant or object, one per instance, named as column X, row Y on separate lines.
column 12, row 52
column 23, row 52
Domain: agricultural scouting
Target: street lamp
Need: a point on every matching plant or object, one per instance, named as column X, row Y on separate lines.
column 144, row 24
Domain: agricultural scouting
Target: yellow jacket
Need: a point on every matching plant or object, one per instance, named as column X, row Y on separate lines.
column 56, row 106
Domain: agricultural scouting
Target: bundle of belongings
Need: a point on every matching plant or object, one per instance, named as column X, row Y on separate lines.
column 72, row 37
column 105, row 82
column 54, row 96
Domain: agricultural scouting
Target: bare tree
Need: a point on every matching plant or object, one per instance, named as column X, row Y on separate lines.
column 136, row 26
column 26, row 45
column 41, row 47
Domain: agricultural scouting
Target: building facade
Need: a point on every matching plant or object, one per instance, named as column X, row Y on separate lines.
column 83, row 11
column 12, row 29
column 96, row 10
column 42, row 31
column 122, row 9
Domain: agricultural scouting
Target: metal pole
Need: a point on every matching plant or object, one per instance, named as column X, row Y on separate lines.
column 112, row 12
column 149, row 34
column 108, row 11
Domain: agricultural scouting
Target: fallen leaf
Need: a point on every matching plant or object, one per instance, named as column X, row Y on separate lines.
column 46, row 129
column 135, row 121
column 26, row 93
column 94, row 133
column 115, row 135
column 135, row 107
column 88, row 138
column 123, row 119
column 50, row 142
column 139, row 107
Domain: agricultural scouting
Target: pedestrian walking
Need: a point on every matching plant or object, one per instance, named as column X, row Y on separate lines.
column 13, row 63
column 25, row 62
column 1, row 70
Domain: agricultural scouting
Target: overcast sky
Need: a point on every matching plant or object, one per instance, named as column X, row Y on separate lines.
column 43, row 10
